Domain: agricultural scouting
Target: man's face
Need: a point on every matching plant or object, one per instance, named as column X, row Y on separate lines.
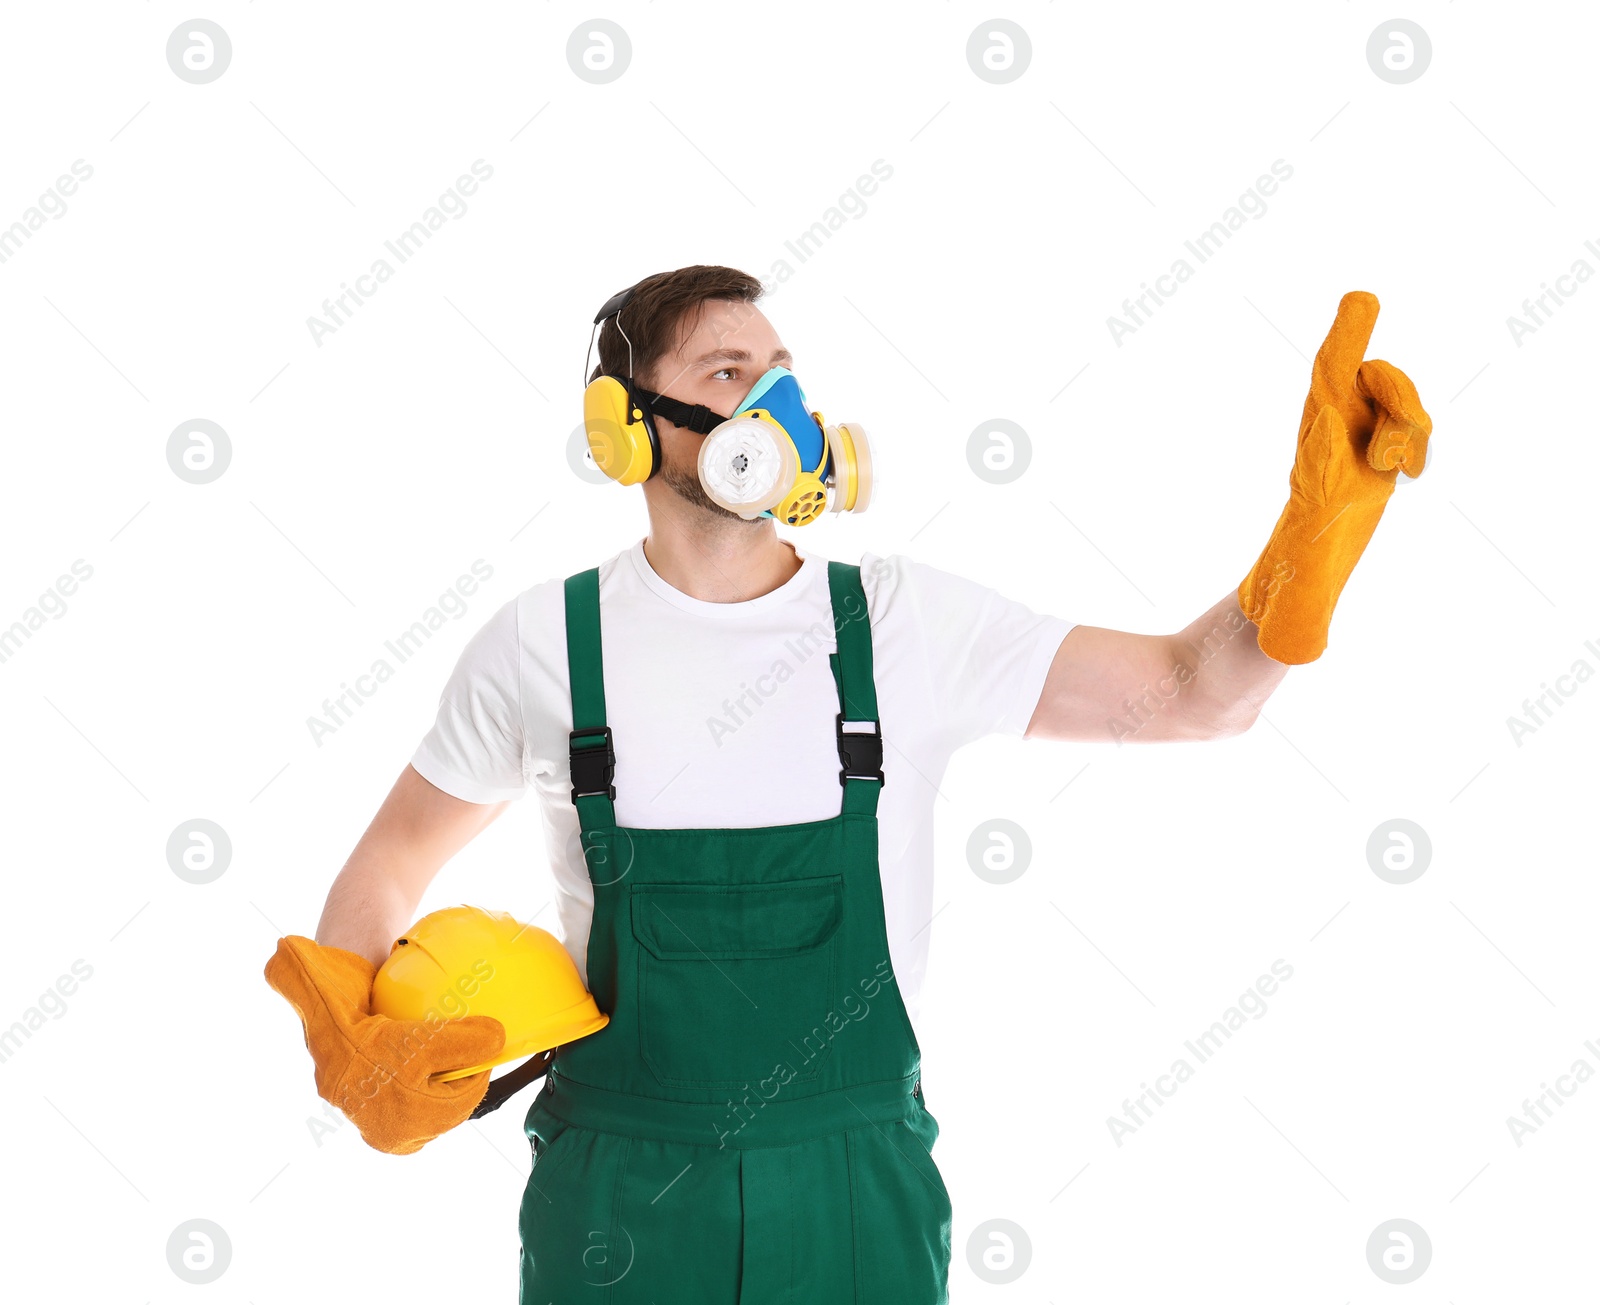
column 716, row 364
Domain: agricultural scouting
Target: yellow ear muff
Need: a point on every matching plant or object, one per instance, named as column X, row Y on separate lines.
column 621, row 447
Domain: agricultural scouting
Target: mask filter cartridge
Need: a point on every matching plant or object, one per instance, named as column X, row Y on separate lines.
column 746, row 464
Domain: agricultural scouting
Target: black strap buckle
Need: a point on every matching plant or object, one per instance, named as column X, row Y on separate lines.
column 860, row 753
column 696, row 417
column 593, row 767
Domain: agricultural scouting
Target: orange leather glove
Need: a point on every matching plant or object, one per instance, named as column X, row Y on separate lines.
column 1362, row 425
column 373, row 1068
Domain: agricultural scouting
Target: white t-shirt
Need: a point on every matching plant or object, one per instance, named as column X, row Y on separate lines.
column 722, row 714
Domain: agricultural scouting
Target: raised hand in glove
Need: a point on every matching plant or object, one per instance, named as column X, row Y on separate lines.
column 1362, row 425
column 373, row 1068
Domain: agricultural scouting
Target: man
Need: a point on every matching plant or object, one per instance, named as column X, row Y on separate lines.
column 746, row 888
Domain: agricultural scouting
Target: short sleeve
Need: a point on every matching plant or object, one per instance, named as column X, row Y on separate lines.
column 475, row 749
column 986, row 655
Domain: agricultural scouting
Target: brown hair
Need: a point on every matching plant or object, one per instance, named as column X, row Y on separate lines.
column 660, row 304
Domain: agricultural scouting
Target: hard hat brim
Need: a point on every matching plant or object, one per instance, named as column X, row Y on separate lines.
column 557, row 1034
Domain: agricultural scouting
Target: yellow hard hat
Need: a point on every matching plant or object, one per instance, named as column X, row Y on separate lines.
column 464, row 960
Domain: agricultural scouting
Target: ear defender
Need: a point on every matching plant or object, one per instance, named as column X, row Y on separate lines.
column 622, row 438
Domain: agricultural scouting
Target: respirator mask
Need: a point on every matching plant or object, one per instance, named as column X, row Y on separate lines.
column 773, row 457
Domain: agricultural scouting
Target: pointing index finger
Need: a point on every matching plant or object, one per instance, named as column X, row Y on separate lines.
column 1333, row 374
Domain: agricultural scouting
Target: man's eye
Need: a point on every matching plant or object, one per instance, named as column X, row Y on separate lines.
column 723, row 371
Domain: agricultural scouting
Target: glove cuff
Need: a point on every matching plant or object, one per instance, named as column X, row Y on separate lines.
column 1291, row 591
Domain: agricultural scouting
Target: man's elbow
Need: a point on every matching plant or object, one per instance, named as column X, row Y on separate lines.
column 1211, row 721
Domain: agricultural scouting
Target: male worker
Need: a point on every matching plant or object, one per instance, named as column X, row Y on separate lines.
column 736, row 745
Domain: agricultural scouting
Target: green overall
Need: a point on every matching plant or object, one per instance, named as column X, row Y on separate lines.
column 749, row 1128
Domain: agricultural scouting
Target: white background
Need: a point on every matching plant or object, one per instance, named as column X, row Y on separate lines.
column 431, row 430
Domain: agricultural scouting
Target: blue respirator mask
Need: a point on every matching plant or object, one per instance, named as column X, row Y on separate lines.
column 773, row 457
column 776, row 458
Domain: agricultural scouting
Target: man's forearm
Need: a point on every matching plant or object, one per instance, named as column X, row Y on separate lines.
column 365, row 912
column 417, row 830
column 1224, row 676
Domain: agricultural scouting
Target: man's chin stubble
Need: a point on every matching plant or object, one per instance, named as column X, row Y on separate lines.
column 692, row 491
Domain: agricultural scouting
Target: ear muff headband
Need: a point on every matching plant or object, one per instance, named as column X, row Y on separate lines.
column 622, row 438
column 618, row 415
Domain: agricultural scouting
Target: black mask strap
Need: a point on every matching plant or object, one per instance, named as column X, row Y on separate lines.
column 696, row 417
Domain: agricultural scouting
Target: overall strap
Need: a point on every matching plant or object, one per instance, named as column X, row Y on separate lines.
column 590, row 750
column 860, row 750
column 591, row 753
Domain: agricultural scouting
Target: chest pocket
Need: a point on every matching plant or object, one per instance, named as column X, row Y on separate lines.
column 736, row 980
